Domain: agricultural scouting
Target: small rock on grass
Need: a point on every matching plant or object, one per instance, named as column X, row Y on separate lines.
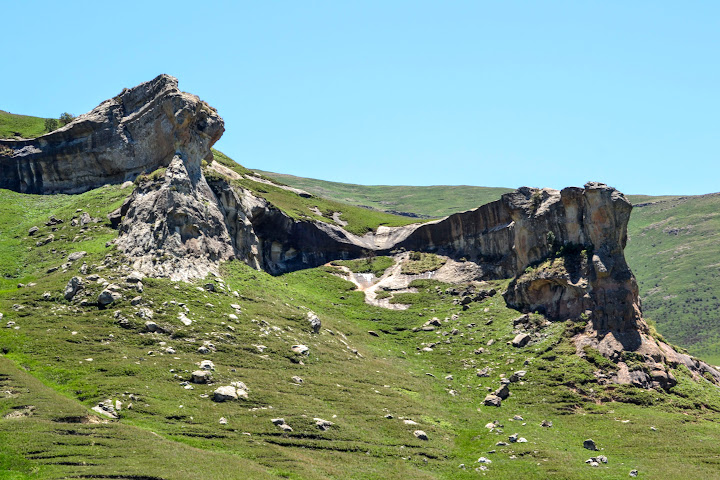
column 107, row 297
column 492, row 401
column 323, row 424
column 590, row 444
column 520, row 340
column 228, row 393
column 201, row 376
column 74, row 285
column 633, row 473
column 421, row 435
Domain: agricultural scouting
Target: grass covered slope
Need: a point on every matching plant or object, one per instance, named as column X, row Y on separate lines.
column 352, row 218
column 674, row 250
column 64, row 358
column 12, row 125
column 433, row 201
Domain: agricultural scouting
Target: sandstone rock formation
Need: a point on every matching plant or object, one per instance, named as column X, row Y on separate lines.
column 137, row 131
column 172, row 227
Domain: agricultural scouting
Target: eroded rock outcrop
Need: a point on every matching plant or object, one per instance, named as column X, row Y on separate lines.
column 173, row 227
column 139, row 130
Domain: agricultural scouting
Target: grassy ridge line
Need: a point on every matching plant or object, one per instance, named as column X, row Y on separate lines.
column 26, row 126
column 673, row 249
column 358, row 220
column 431, row 201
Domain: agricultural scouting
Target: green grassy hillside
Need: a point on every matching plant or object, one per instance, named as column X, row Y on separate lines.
column 24, row 126
column 674, row 250
column 434, row 201
column 59, row 359
column 370, row 371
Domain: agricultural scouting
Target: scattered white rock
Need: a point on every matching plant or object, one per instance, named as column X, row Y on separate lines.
column 421, row 435
column 184, row 319
column 225, row 394
column 76, row 256
column 323, row 424
column 207, row 365
column 301, row 349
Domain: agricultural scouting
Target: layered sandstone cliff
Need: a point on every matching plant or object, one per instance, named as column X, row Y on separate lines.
column 137, row 131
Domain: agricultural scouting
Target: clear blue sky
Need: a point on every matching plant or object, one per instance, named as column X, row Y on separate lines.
column 405, row 92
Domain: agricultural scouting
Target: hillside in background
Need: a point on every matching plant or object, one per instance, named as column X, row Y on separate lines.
column 431, row 202
column 23, row 126
column 673, row 248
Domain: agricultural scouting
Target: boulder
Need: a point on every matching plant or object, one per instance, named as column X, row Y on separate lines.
column 74, row 285
column 107, row 297
column 202, row 376
column 323, row 424
column 225, row 394
column 421, row 435
column 76, row 256
column 492, row 400
column 590, row 444
column 520, row 340
column 300, row 349
column 315, row 323
column 502, row 392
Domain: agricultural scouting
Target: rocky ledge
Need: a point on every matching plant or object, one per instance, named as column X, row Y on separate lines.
column 139, row 130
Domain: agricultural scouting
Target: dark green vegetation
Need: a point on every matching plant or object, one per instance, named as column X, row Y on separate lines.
column 673, row 249
column 374, row 265
column 64, row 358
column 23, row 126
column 420, row 262
column 431, row 202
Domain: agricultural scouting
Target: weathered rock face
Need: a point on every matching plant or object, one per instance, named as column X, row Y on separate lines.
column 173, row 227
column 138, row 131
column 587, row 230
